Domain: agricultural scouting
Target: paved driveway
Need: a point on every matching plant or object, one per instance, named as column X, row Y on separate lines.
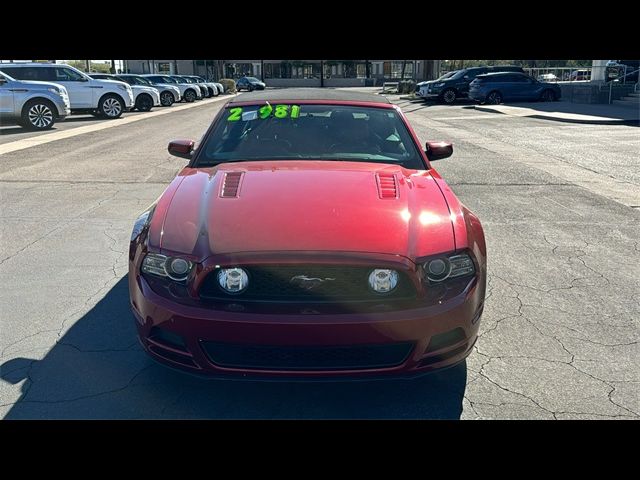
column 559, row 336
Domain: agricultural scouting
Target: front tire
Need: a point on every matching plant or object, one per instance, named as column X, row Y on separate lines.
column 166, row 99
column 111, row 106
column 449, row 96
column 38, row 115
column 189, row 96
column 144, row 102
column 494, row 98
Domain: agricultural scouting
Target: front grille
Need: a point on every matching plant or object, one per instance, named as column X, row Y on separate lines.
column 352, row 357
column 307, row 283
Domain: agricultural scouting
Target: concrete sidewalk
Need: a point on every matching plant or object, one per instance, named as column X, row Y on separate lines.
column 569, row 112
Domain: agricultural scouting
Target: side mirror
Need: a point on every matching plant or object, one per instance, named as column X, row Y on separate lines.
column 3, row 80
column 181, row 148
column 438, row 150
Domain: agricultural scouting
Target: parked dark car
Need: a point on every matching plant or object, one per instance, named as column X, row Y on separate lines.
column 622, row 70
column 495, row 88
column 580, row 75
column 454, row 85
column 250, row 84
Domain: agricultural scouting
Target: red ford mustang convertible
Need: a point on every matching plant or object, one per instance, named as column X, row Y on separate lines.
column 308, row 236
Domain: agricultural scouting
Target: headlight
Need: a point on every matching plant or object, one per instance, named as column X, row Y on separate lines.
column 383, row 280
column 55, row 90
column 141, row 222
column 440, row 269
column 123, row 87
column 233, row 280
column 439, row 85
column 173, row 267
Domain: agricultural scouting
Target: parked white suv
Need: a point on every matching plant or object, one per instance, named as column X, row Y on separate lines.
column 145, row 97
column 86, row 95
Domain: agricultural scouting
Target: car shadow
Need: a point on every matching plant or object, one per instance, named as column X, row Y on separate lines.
column 18, row 130
column 570, row 112
column 415, row 104
column 98, row 370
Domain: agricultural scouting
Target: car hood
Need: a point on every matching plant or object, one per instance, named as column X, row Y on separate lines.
column 117, row 82
column 303, row 206
column 43, row 85
column 170, row 86
column 142, row 88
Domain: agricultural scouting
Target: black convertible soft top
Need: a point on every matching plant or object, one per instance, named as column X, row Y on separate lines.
column 308, row 94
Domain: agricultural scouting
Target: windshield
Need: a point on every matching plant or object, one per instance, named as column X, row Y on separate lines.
column 169, row 80
column 184, row 80
column 448, row 75
column 133, row 80
column 310, row 132
column 252, row 79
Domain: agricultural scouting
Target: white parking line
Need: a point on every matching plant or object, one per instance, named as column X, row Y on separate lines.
column 52, row 137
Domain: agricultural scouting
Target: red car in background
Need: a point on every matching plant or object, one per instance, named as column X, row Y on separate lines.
column 309, row 236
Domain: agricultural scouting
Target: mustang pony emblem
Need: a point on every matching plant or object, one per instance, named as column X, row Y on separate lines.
column 308, row 283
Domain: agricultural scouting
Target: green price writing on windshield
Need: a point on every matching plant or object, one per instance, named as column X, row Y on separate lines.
column 264, row 112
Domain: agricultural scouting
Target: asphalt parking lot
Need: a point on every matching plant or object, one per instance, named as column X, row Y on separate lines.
column 559, row 202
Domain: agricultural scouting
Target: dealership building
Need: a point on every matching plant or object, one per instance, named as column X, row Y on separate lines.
column 296, row 73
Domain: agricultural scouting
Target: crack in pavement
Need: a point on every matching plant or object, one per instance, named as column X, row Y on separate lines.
column 60, row 226
column 23, row 399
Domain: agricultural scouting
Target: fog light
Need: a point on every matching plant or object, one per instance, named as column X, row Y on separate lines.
column 233, row 280
column 383, row 280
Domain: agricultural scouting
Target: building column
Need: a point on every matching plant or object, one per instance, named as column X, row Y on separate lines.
column 598, row 70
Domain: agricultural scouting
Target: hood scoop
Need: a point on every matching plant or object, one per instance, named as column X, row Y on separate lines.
column 387, row 185
column 231, row 184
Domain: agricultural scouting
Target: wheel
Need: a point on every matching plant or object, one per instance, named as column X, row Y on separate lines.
column 38, row 115
column 548, row 96
column 111, row 106
column 449, row 96
column 189, row 96
column 250, row 88
column 213, row 92
column 494, row 98
column 144, row 102
column 166, row 99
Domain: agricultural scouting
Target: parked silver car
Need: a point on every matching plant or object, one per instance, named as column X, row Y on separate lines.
column 188, row 91
column 212, row 87
column 204, row 90
column 32, row 104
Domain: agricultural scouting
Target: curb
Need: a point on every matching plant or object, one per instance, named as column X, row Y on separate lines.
column 636, row 122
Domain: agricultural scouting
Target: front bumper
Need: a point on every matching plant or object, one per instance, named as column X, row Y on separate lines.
column 129, row 101
column 429, row 92
column 478, row 96
column 180, row 336
column 63, row 107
